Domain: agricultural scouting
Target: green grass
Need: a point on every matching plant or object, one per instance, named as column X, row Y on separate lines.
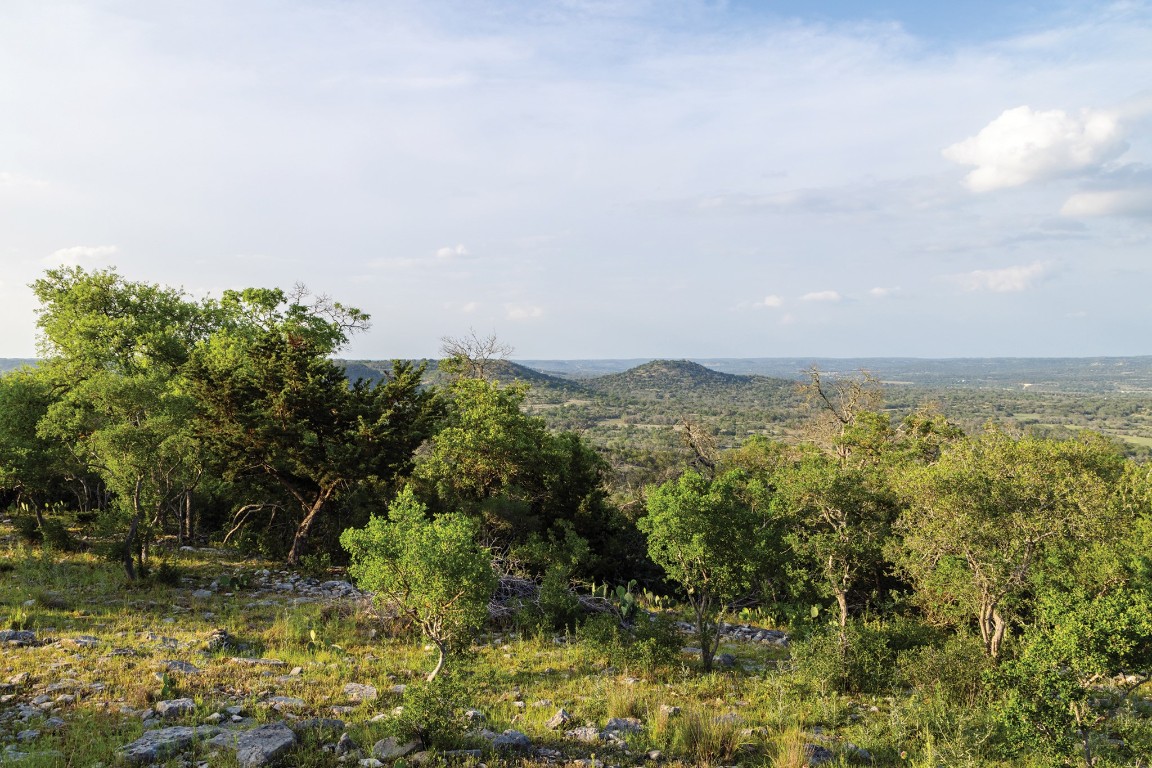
column 752, row 715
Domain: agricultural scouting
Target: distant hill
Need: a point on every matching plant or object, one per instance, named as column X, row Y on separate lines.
column 667, row 375
column 12, row 363
column 544, row 386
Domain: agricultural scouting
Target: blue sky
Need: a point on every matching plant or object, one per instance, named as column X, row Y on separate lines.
column 599, row 178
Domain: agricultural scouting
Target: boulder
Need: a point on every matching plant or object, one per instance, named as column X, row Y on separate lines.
column 264, row 744
column 159, row 745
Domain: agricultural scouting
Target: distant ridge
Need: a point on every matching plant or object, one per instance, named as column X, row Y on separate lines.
column 668, row 375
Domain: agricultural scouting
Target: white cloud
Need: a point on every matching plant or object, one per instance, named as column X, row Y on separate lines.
column 1023, row 145
column 1007, row 280
column 772, row 301
column 879, row 292
column 519, row 312
column 452, row 252
column 830, row 296
column 78, row 254
column 1113, row 202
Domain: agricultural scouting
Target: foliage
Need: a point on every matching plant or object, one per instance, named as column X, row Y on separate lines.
column 274, row 405
column 699, row 532
column 650, row 642
column 985, row 514
column 430, row 571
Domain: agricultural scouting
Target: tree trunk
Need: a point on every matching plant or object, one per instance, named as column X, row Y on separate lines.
column 842, row 602
column 300, row 540
column 707, row 633
column 439, row 662
column 130, row 541
column 999, row 627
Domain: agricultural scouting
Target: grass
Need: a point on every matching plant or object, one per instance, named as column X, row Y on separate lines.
column 752, row 715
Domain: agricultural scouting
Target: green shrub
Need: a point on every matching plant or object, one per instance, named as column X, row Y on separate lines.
column 867, row 663
column 433, row 711
column 648, row 643
column 556, row 607
column 953, row 669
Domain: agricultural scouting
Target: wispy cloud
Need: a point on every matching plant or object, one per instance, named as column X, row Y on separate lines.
column 523, row 312
column 81, row 254
column 770, row 301
column 452, row 252
column 827, row 296
column 1113, row 202
column 1007, row 280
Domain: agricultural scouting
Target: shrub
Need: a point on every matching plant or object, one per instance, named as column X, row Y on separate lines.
column 648, row 643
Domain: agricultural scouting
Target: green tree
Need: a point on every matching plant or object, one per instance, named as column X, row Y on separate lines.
column 430, row 571
column 493, row 461
column 274, row 405
column 114, row 350
column 707, row 539
column 840, row 517
column 980, row 519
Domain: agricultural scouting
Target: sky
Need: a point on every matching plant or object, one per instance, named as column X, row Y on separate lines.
column 599, row 178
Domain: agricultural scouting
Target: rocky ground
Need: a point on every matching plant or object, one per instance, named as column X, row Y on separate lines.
column 229, row 723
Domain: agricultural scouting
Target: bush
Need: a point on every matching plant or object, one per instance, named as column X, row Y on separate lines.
column 868, row 663
column 650, row 642
column 556, row 607
column 954, row 669
column 433, row 711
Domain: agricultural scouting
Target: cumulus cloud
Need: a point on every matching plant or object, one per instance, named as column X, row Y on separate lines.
column 830, row 296
column 1023, row 145
column 1113, row 202
column 519, row 312
column 1007, row 280
column 880, row 292
column 79, row 254
column 771, row 301
column 452, row 252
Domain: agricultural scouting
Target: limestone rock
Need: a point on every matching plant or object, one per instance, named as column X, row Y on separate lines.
column 560, row 719
column 388, row 749
column 512, row 739
column 263, row 744
column 159, row 745
column 361, row 692
column 175, row 707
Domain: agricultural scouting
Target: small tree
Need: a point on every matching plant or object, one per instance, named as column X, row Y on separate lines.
column 431, row 571
column 704, row 536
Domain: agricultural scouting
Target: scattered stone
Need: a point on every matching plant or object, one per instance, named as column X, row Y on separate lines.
column 19, row 638
column 669, row 711
column 389, row 749
column 859, row 753
column 512, row 739
column 474, row 716
column 818, row 755
column 85, row 641
column 182, row 667
column 290, row 703
column 202, row 594
column 398, row 689
column 370, row 762
column 263, row 744
column 346, row 744
column 584, row 733
column 258, row 662
column 219, row 639
column 175, row 707
column 655, row 755
column 296, row 672
column 318, row 724
column 558, row 720
column 624, row 725
column 361, row 692
column 19, row 679
column 214, row 718
column 725, row 660
column 29, row 735
column 158, row 745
